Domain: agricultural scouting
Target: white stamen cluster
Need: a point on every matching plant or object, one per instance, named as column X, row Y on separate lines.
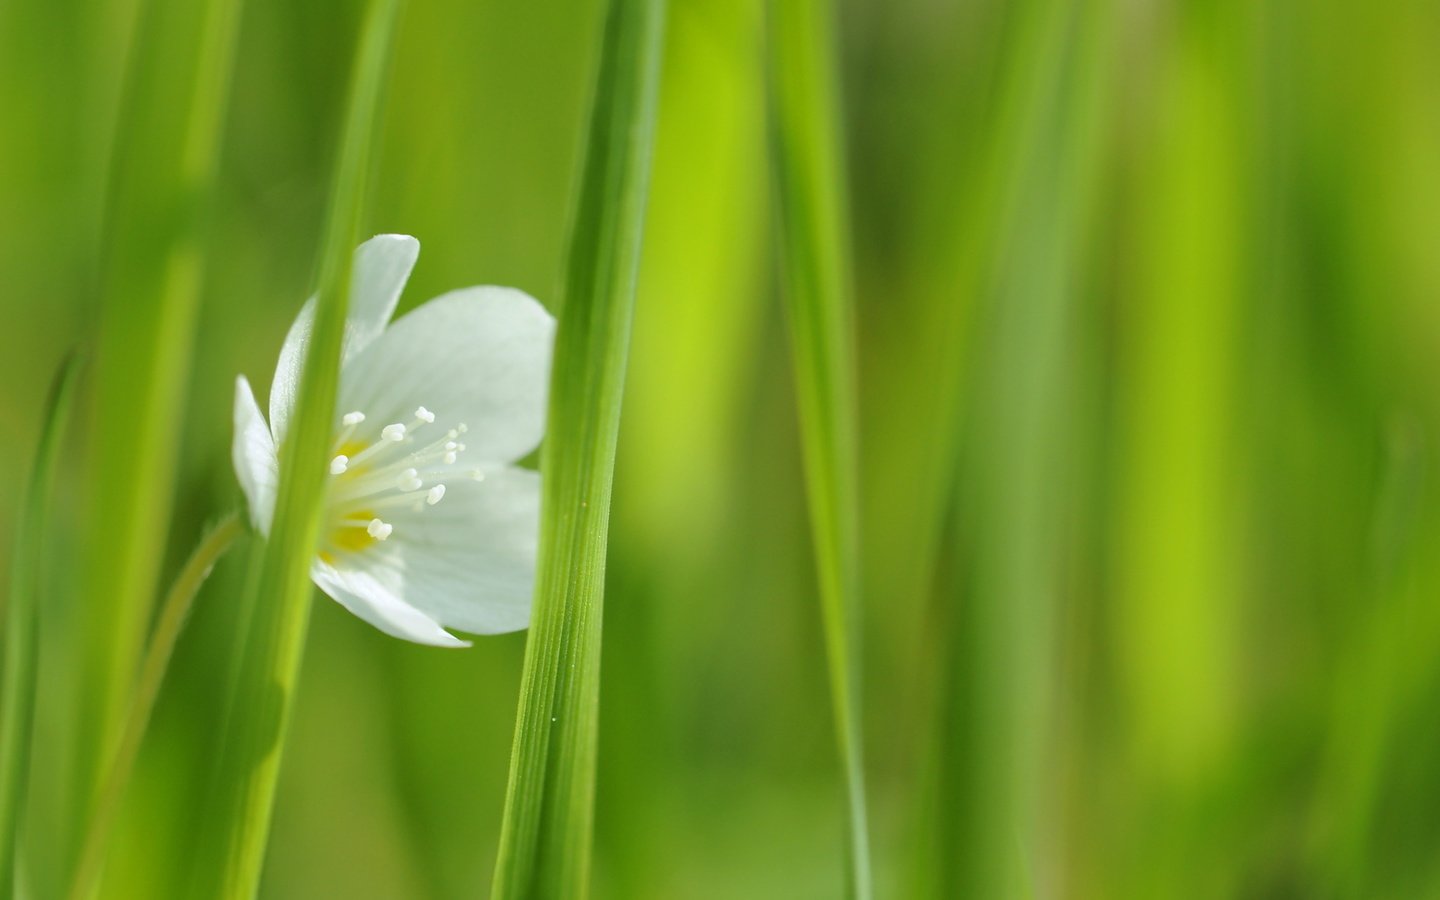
column 394, row 471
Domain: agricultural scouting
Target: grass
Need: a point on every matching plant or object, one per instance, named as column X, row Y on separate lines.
column 545, row 838
column 1086, row 376
column 814, row 235
column 28, row 591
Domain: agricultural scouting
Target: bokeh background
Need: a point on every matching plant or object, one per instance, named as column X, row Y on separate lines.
column 1149, row 339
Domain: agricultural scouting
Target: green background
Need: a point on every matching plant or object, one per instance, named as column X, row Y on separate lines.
column 1149, row 363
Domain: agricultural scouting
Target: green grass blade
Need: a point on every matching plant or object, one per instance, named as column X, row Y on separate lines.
column 17, row 691
column 990, row 829
column 814, row 235
column 162, row 178
column 263, row 691
column 545, row 839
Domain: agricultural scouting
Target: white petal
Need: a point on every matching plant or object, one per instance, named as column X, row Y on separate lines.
column 373, row 595
column 382, row 266
column 468, row 562
column 253, row 452
column 480, row 356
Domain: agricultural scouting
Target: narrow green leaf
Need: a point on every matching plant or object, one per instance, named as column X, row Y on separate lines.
column 162, row 178
column 814, row 237
column 990, row 831
column 233, row 851
column 545, row 838
column 17, row 691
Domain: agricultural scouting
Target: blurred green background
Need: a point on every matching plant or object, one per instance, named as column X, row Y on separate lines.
column 1149, row 340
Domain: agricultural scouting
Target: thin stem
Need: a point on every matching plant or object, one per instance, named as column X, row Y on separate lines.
column 152, row 674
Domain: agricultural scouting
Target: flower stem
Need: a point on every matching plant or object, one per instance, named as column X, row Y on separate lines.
column 173, row 613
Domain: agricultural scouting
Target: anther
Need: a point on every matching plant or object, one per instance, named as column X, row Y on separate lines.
column 477, row 475
column 449, row 457
column 435, row 494
column 425, row 415
column 339, row 464
column 462, row 428
column 410, row 480
column 352, row 418
column 394, row 432
column 379, row 530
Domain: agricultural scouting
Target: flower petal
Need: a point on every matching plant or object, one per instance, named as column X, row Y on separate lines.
column 468, row 562
column 253, row 452
column 382, row 266
column 480, row 356
column 371, row 595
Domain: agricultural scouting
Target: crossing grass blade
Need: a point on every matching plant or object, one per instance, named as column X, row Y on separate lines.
column 233, row 852
column 814, row 238
column 545, row 841
column 17, row 690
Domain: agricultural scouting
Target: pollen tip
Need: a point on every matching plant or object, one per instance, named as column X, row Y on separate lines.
column 462, row 428
column 353, row 418
column 477, row 475
column 395, row 432
column 450, row 457
column 379, row 530
column 339, row 464
column 424, row 415
column 436, row 492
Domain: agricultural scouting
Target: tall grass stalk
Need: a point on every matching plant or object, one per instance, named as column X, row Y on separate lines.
column 162, row 182
column 21, row 642
column 233, row 850
column 991, row 827
column 814, row 231
column 545, row 840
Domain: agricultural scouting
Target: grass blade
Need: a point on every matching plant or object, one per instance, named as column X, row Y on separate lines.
column 990, row 828
column 814, row 234
column 17, row 692
column 233, row 853
column 163, row 172
column 545, row 840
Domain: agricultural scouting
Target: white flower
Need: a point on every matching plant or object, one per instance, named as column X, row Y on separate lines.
column 427, row 524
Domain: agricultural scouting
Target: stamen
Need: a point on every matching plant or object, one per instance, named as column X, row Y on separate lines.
column 395, row 433
column 339, row 464
column 436, row 492
column 425, row 415
column 352, row 418
column 410, row 480
column 379, row 530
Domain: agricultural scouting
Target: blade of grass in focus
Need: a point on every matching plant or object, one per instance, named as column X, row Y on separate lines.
column 161, row 185
column 545, row 839
column 233, row 850
column 17, row 691
column 990, row 833
column 814, row 235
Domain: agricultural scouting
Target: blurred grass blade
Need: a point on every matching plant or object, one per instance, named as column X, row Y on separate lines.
column 233, row 853
column 17, row 692
column 162, row 178
column 814, row 234
column 171, row 619
column 545, row 838
column 992, row 831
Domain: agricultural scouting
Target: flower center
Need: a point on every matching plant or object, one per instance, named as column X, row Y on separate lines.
column 402, row 470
